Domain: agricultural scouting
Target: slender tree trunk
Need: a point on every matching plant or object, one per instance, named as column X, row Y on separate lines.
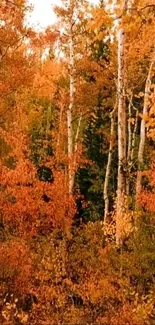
column 108, row 168
column 121, row 181
column 59, row 132
column 129, row 148
column 69, row 112
column 75, row 150
column 77, row 133
column 143, row 132
column 131, row 142
column 129, row 132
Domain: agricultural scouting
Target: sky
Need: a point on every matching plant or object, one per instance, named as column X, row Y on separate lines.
column 42, row 15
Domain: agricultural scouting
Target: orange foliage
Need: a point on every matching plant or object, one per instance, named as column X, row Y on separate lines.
column 147, row 196
column 15, row 265
column 23, row 199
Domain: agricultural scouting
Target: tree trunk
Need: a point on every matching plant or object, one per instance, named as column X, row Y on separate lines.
column 59, row 133
column 75, row 151
column 131, row 141
column 121, row 181
column 69, row 112
column 129, row 132
column 108, row 168
column 143, row 133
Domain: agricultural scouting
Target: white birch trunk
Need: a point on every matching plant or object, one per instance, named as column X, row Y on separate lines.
column 143, row 132
column 75, row 151
column 59, row 132
column 121, row 181
column 108, row 169
column 77, row 133
column 131, row 142
column 69, row 112
column 129, row 133
column 129, row 148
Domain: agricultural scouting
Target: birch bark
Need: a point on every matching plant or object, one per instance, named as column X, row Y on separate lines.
column 108, row 168
column 121, row 181
column 70, row 109
column 74, row 162
column 143, row 131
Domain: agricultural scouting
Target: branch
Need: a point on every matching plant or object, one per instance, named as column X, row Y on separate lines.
column 12, row 45
column 81, row 115
column 147, row 6
column 135, row 9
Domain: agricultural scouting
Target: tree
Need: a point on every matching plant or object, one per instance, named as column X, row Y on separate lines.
column 122, row 162
column 143, row 129
column 69, row 15
column 139, row 55
column 109, row 165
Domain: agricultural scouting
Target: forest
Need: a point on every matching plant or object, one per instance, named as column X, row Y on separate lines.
column 77, row 165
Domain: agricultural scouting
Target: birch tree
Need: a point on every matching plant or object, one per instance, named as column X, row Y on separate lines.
column 143, row 130
column 69, row 14
column 70, row 106
column 139, row 51
column 133, row 114
column 121, row 182
column 108, row 167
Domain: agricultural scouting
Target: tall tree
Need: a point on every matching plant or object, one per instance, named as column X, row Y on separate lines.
column 71, row 98
column 139, row 63
column 70, row 14
column 121, row 183
column 141, row 148
column 109, row 165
